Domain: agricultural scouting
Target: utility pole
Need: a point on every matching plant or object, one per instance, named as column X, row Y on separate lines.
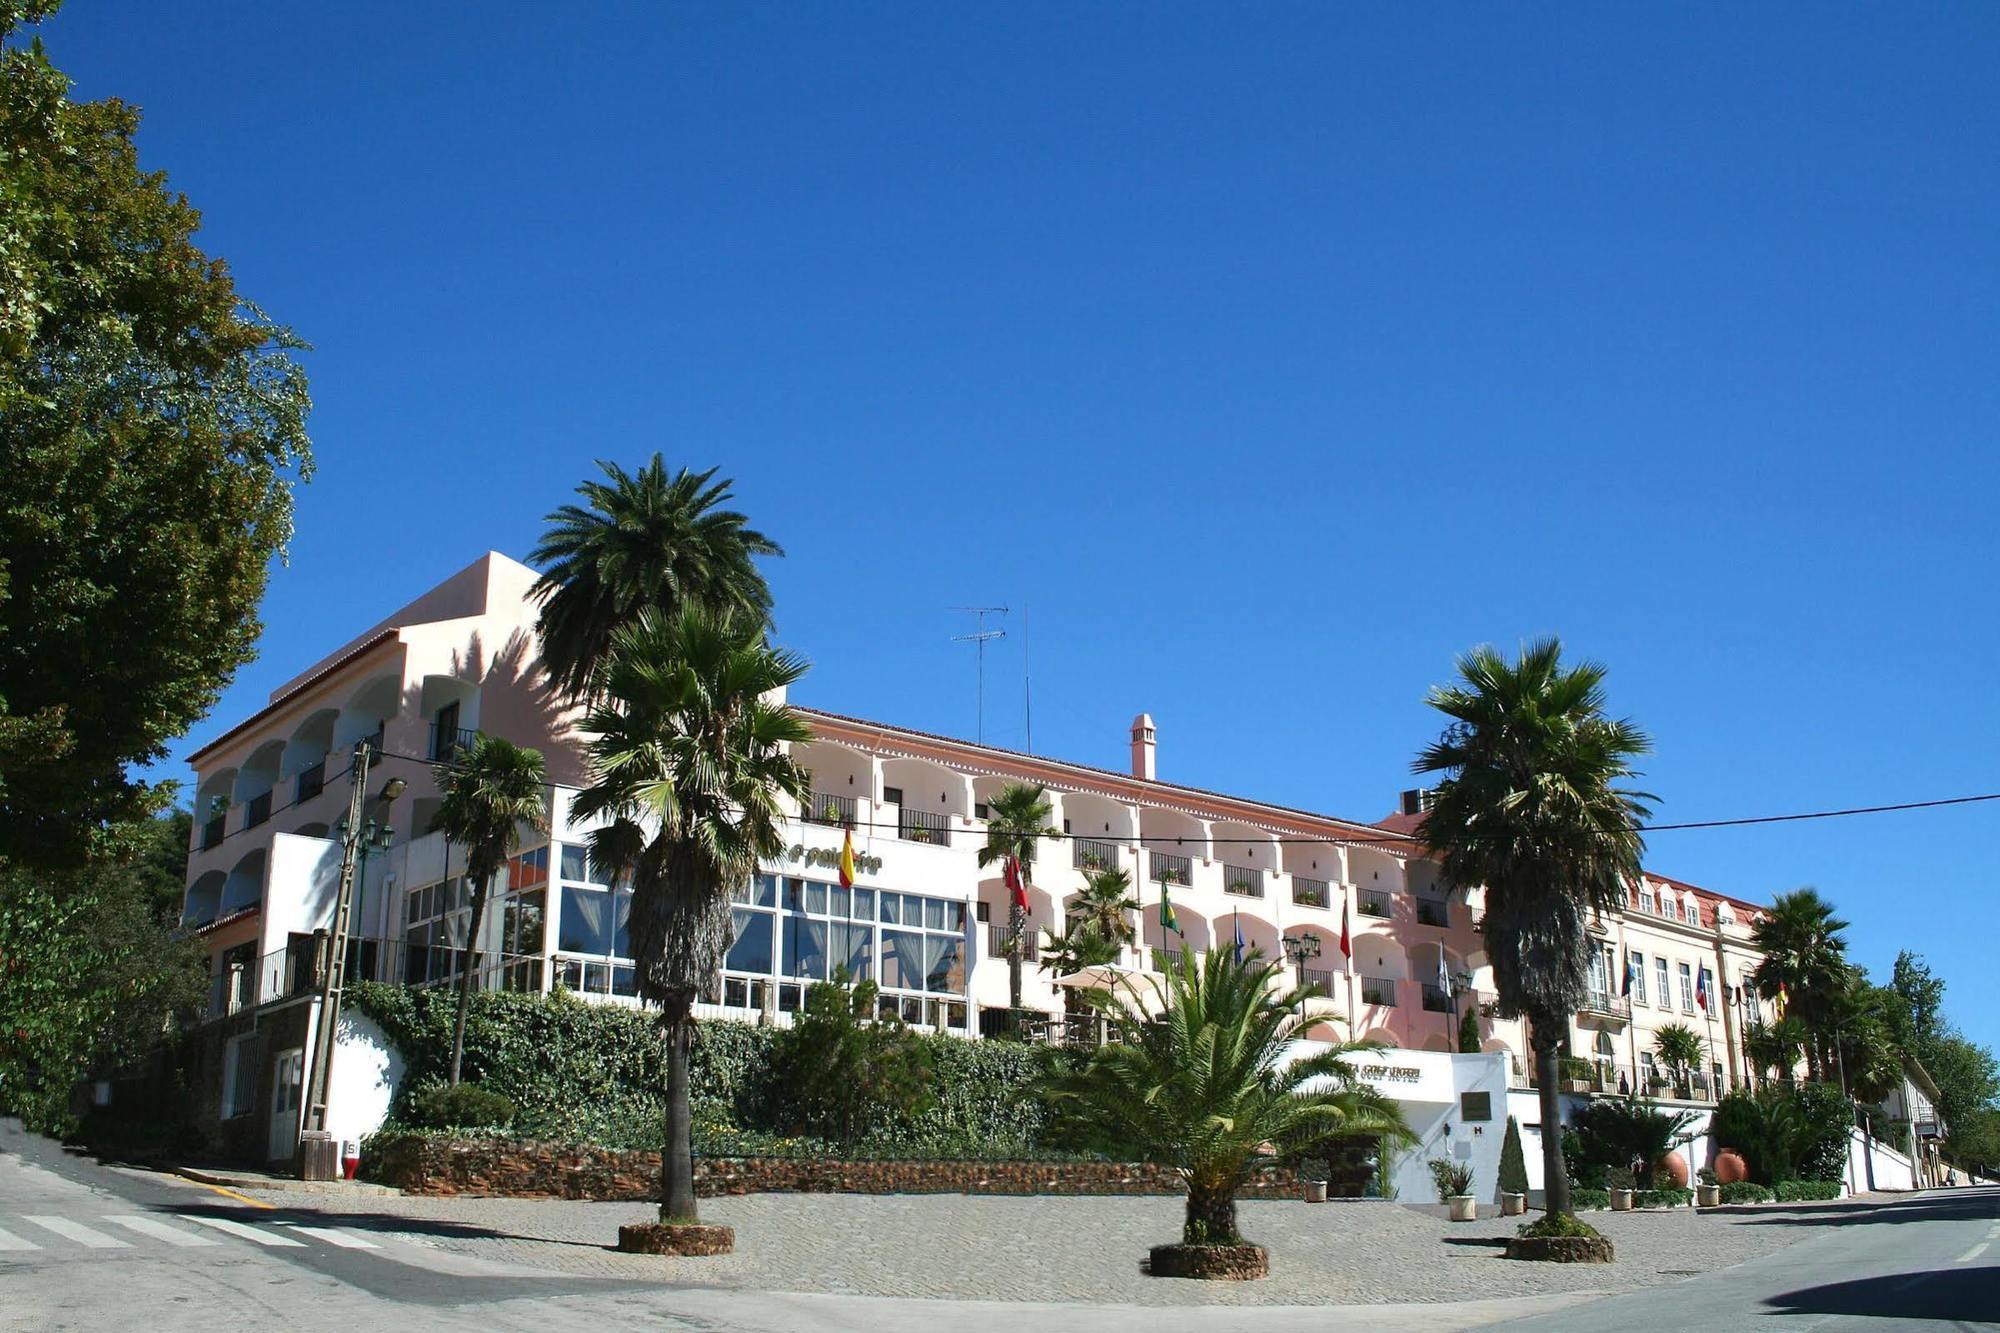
column 980, row 638
column 319, row 1155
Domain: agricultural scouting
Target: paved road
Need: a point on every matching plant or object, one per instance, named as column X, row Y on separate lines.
column 1928, row 1261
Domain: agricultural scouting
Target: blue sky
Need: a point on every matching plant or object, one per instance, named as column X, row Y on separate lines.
column 1269, row 356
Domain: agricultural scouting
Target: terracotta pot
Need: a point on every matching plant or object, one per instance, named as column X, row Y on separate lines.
column 1676, row 1167
column 1464, row 1208
column 1621, row 1201
column 1730, row 1167
column 1512, row 1205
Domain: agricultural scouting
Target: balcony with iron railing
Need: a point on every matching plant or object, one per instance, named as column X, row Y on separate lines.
column 1243, row 881
column 1093, row 854
column 1437, row 1000
column 256, row 810
column 1322, row 977
column 1605, row 1004
column 998, row 938
column 1376, row 903
column 1433, row 912
column 448, row 742
column 923, row 826
column 212, row 830
column 1379, row 991
column 309, row 781
column 1167, row 868
column 1307, row 892
column 828, row 808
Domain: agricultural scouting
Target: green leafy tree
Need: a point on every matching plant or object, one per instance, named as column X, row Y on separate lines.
column 1622, row 1133
column 1679, row 1049
column 488, row 793
column 153, row 423
column 694, row 767
column 91, row 972
column 849, row 1072
column 647, row 539
column 1207, row 1088
column 1017, row 819
column 1513, row 1163
column 1533, row 810
column 1805, row 956
column 1775, row 1049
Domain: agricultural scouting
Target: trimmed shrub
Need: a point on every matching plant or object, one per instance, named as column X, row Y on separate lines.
column 1584, row 1199
column 467, row 1106
column 1513, row 1164
column 1662, row 1198
column 1807, row 1191
column 1745, row 1191
column 1468, row 1031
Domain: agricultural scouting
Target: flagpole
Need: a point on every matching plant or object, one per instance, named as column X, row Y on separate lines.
column 1347, row 952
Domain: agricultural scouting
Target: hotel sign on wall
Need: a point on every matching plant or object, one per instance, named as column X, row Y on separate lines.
column 1389, row 1073
column 828, row 858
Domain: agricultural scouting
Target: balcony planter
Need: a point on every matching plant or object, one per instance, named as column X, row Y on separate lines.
column 1708, row 1196
column 1464, row 1207
column 1621, row 1201
column 1512, row 1204
column 1313, row 1191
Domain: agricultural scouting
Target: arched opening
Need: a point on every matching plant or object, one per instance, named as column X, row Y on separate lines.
column 450, row 710
column 316, row 829
column 1315, row 868
column 260, row 771
column 367, row 711
column 204, row 899
column 1173, row 843
column 929, row 802
column 304, row 764
column 1195, row 934
column 211, row 807
column 245, row 885
column 1248, row 856
column 843, row 787
column 1318, row 953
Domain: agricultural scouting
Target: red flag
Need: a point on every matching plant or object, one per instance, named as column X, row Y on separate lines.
column 1346, row 943
column 1016, row 884
column 847, row 861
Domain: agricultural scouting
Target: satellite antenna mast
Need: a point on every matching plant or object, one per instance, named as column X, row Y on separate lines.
column 979, row 639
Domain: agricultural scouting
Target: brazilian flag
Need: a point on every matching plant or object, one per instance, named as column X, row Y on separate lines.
column 1167, row 921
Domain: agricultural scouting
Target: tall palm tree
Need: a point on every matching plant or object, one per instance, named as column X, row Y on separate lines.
column 1082, row 946
column 1207, row 1086
column 1805, row 956
column 1775, row 1048
column 489, row 792
column 645, row 539
column 1532, row 809
column 694, row 767
column 1679, row 1048
column 1017, row 819
column 1105, row 905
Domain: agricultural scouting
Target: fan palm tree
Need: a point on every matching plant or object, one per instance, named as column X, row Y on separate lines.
column 694, row 768
column 1805, row 957
column 1208, row 1088
column 488, row 792
column 641, row 539
column 1082, row 946
column 1532, row 809
column 1679, row 1048
column 1775, row 1048
column 1106, row 905
column 1017, row 819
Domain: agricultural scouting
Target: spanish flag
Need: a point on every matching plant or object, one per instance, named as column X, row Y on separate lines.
column 847, row 861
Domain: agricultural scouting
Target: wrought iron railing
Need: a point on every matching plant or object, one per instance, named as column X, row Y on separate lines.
column 1433, row 912
column 998, row 936
column 1376, row 903
column 211, row 832
column 448, row 742
column 1092, row 854
column 828, row 808
column 1607, row 1004
column 310, row 782
column 1379, row 991
column 256, row 810
column 1243, row 881
column 1321, row 977
column 1167, row 868
column 923, row 826
column 1309, row 892
column 1437, row 999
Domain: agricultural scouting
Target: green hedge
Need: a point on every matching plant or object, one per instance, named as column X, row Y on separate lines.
column 1746, row 1191
column 1807, row 1191
column 1662, row 1198
column 1582, row 1198
column 579, row 1072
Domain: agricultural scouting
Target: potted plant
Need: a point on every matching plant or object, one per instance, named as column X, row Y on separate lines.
column 1620, row 1182
column 1708, row 1193
column 1240, row 887
column 1513, row 1173
column 1576, row 1073
column 1454, row 1187
column 1313, row 1173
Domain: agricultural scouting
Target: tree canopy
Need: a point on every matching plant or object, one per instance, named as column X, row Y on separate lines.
column 153, row 422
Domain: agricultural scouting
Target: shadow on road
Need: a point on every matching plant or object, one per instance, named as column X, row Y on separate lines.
column 1968, row 1294
column 1953, row 1206
column 433, row 1227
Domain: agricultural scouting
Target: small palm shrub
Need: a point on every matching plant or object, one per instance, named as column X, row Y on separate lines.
column 1451, row 1178
column 459, row 1106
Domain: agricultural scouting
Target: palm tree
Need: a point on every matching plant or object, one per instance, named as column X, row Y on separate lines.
column 1775, row 1048
column 1805, row 958
column 1106, row 906
column 648, row 539
column 1679, row 1048
column 488, row 792
column 1207, row 1089
column 1017, row 819
column 1082, row 946
column 694, row 767
column 1533, row 810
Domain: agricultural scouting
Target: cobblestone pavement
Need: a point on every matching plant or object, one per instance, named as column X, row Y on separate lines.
column 1065, row 1249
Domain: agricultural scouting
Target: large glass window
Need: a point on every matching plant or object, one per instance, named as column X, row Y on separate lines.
column 586, row 920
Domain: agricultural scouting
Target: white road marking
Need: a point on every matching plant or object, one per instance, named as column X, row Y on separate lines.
column 1974, row 1252
column 223, row 1224
column 158, row 1230
column 78, row 1232
column 10, row 1241
column 345, row 1240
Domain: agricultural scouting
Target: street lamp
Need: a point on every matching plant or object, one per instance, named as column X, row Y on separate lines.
column 1298, row 948
column 319, row 1155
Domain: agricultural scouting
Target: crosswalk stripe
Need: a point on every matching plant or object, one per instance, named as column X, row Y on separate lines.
column 1973, row 1253
column 223, row 1224
column 10, row 1241
column 78, row 1232
column 345, row 1240
column 158, row 1230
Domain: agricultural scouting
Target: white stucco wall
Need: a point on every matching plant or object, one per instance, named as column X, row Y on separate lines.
column 367, row 1068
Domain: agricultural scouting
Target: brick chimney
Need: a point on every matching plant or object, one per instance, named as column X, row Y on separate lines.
column 1144, row 746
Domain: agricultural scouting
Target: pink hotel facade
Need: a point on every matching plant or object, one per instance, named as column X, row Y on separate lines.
column 923, row 919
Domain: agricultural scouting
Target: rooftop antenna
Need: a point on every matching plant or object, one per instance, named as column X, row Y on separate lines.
column 979, row 639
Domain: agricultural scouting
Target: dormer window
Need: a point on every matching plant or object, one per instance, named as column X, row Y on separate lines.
column 1646, row 898
column 1693, row 910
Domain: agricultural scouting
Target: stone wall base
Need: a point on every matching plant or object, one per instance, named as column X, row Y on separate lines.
column 1213, row 1263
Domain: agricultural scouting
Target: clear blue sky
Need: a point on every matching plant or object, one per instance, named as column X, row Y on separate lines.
column 1270, row 356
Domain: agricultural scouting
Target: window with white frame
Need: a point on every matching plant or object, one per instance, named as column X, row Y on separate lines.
column 1660, row 974
column 1691, row 910
column 1646, row 898
column 1638, row 978
column 1687, row 987
column 593, row 929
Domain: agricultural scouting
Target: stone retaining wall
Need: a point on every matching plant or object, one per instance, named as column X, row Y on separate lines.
column 504, row 1167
